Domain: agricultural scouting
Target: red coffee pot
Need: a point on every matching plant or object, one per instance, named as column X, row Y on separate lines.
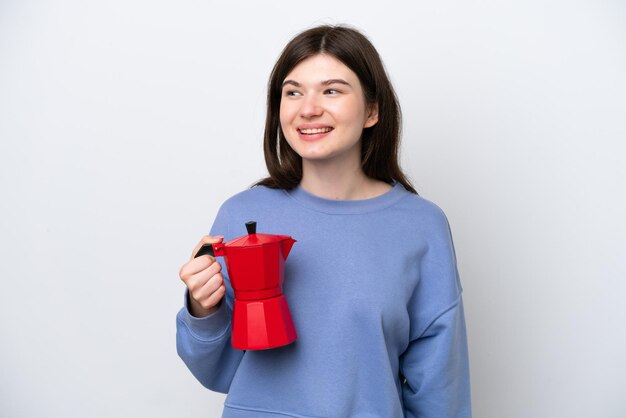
column 255, row 264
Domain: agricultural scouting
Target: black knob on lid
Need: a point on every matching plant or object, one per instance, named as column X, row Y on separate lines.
column 251, row 227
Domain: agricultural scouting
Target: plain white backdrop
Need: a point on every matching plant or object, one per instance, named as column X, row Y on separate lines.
column 125, row 124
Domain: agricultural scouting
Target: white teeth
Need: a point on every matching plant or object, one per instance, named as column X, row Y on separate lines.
column 315, row 131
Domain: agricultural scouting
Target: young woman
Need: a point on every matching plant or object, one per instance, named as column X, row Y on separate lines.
column 372, row 283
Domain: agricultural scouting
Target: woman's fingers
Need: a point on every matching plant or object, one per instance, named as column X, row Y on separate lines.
column 195, row 265
column 197, row 280
column 203, row 278
column 209, row 294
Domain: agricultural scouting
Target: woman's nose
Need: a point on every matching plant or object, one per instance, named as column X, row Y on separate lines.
column 310, row 107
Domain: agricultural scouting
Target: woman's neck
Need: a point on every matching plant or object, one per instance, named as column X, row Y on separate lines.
column 332, row 181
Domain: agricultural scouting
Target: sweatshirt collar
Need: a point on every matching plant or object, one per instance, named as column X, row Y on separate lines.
column 347, row 207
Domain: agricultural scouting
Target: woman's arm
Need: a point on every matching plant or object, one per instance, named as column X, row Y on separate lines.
column 204, row 343
column 204, row 346
column 435, row 365
column 436, row 369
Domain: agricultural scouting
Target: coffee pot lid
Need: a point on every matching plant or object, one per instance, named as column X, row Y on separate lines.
column 253, row 239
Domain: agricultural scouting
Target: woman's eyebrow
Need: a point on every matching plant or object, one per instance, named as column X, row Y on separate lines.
column 293, row 83
column 323, row 83
column 335, row 81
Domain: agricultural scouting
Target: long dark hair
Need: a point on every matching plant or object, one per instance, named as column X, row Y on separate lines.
column 380, row 143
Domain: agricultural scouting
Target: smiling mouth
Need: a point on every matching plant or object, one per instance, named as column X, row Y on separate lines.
column 315, row 131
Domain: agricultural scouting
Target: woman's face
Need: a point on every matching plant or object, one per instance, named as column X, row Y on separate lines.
column 323, row 110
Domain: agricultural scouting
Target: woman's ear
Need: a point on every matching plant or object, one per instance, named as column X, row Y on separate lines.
column 372, row 116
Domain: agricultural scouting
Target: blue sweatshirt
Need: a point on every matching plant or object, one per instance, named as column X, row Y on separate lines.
column 373, row 289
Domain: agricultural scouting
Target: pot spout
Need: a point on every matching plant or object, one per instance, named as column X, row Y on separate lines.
column 287, row 243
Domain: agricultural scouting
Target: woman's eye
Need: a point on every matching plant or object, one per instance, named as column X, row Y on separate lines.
column 332, row 91
column 292, row 93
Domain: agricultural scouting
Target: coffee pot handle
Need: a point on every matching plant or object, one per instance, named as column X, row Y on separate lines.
column 204, row 250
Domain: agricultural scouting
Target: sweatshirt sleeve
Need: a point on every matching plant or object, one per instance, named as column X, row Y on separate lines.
column 204, row 343
column 435, row 365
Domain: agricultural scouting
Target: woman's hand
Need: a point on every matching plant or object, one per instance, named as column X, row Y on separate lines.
column 203, row 279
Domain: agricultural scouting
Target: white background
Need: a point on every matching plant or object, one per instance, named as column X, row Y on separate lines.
column 125, row 123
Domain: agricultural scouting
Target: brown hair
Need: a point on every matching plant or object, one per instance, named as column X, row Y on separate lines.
column 380, row 143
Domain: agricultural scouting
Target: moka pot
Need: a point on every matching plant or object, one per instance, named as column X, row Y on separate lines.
column 256, row 266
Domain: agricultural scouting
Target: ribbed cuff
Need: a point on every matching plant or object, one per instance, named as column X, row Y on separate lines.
column 210, row 327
